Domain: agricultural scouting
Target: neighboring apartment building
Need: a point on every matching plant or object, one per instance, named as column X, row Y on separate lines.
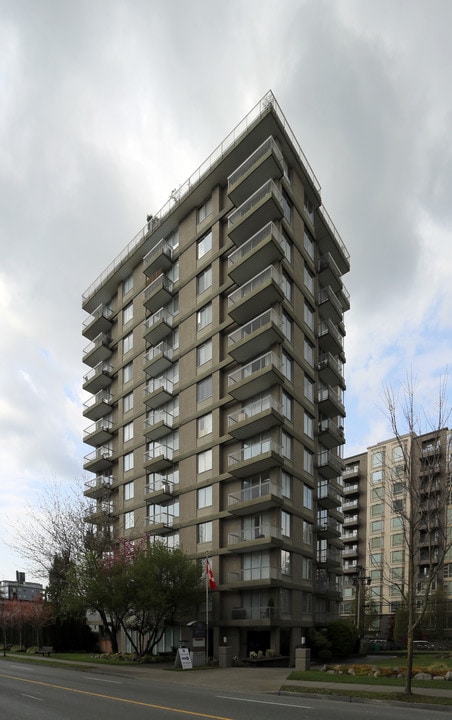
column 19, row 589
column 375, row 554
column 216, row 381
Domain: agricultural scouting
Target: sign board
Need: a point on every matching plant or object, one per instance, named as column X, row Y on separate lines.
column 183, row 659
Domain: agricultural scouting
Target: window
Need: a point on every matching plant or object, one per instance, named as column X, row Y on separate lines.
column 287, row 406
column 204, row 461
column 396, row 523
column 204, row 389
column 128, row 462
column 308, row 388
column 204, row 425
column 286, row 562
column 306, row 568
column 309, row 315
column 127, row 314
column 378, row 458
column 377, row 477
column 204, row 316
column 308, row 425
column 205, row 532
column 204, row 245
column 129, row 520
column 128, row 432
column 204, row 497
column 286, row 445
column 127, row 373
column 129, row 490
column 127, row 402
column 377, row 494
column 287, row 366
column 397, row 556
column 287, row 326
column 127, row 343
column 309, row 244
column 398, row 506
column 204, row 280
column 286, row 245
column 307, row 532
column 376, row 542
column 287, row 206
column 376, row 510
column 308, row 279
column 308, row 461
column 376, row 526
column 204, row 353
column 309, row 208
column 285, row 523
column 309, row 352
column 127, row 285
column 396, row 539
column 287, row 287
column 308, row 497
column 204, row 211
column 286, row 484
column 397, row 454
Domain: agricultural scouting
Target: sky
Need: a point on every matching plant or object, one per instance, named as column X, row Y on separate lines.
column 107, row 105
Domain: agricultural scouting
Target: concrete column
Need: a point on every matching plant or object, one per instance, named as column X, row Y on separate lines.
column 302, row 659
column 224, row 656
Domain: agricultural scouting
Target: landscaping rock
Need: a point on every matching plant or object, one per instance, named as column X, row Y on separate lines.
column 448, row 675
column 422, row 676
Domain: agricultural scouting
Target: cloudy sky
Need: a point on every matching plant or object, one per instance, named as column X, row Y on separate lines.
column 106, row 105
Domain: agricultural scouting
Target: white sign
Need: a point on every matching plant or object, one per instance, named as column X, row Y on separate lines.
column 184, row 658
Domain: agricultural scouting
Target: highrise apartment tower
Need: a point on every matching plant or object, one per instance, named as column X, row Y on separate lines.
column 216, row 381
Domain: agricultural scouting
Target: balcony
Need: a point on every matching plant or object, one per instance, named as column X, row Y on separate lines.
column 348, row 505
column 330, row 434
column 98, row 433
column 344, row 298
column 330, row 402
column 264, row 615
column 331, row 557
column 261, row 537
column 99, row 405
column 261, row 250
column 255, row 377
column 327, row 496
column 330, row 307
column 158, row 392
column 264, row 205
column 98, row 378
column 331, row 370
column 160, row 523
column 159, row 457
column 99, row 513
column 330, row 338
column 98, row 487
column 254, row 418
column 158, row 326
column 98, row 350
column 98, row 460
column 158, row 424
column 256, row 498
column 262, row 291
column 99, row 322
column 351, row 471
column 255, row 458
column 158, row 293
column 160, row 258
column 158, row 359
column 159, row 490
column 258, row 575
column 328, row 528
column 351, row 520
column 350, row 489
column 329, row 273
column 329, row 465
column 255, row 337
column 264, row 163
column 330, row 241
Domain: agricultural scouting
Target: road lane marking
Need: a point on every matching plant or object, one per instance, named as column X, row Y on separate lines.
column 263, row 702
column 112, row 697
column 33, row 697
column 98, row 679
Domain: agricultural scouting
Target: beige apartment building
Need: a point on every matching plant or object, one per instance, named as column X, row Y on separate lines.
column 376, row 499
column 215, row 404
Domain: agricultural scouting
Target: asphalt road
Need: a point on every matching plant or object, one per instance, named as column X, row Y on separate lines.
column 37, row 692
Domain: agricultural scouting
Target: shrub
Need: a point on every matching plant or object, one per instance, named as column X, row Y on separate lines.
column 343, row 637
column 325, row 655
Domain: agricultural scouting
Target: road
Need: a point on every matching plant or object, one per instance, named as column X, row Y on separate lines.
column 36, row 692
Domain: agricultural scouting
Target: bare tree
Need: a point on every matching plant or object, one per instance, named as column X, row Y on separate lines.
column 54, row 528
column 417, row 490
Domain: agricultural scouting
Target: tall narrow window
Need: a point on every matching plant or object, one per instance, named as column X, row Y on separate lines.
column 204, row 210
column 204, row 245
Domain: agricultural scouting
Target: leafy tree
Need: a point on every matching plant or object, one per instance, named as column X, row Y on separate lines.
column 343, row 636
column 165, row 583
column 38, row 614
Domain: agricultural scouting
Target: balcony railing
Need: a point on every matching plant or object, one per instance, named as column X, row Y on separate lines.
column 254, row 492
column 250, row 574
column 162, row 518
column 254, row 408
column 256, row 614
column 269, row 230
column 268, row 144
column 254, row 366
column 254, row 450
column 254, row 284
column 256, row 324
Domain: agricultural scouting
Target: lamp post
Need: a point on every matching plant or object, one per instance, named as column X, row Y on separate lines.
column 360, row 580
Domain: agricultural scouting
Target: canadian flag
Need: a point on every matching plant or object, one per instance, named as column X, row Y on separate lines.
column 209, row 575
